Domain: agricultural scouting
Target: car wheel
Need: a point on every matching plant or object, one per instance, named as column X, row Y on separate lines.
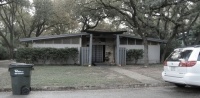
column 180, row 85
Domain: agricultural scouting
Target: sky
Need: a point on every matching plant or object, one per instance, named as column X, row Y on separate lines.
column 31, row 1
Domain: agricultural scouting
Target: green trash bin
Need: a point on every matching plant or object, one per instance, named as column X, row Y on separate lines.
column 20, row 77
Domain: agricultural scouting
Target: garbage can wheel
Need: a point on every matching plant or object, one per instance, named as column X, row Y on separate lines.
column 25, row 90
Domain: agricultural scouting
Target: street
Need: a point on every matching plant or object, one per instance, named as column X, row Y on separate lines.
column 152, row 92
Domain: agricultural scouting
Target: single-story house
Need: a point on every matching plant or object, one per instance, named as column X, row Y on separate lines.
column 99, row 46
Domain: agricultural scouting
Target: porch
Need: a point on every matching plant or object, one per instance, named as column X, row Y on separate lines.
column 104, row 48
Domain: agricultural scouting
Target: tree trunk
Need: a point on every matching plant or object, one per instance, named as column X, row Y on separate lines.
column 175, row 31
column 11, row 52
column 11, row 48
column 184, row 40
column 146, row 58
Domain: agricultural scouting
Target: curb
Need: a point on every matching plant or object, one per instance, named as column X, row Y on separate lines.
column 63, row 88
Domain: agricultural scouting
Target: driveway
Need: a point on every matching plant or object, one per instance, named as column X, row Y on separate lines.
column 4, row 65
column 136, row 75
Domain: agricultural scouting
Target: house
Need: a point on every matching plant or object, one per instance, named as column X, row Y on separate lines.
column 106, row 46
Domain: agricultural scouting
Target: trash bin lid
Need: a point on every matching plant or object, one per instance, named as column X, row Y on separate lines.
column 20, row 65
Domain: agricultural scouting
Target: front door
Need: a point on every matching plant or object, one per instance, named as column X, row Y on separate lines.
column 98, row 53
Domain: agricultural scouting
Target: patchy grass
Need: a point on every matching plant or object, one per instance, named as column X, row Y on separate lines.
column 72, row 76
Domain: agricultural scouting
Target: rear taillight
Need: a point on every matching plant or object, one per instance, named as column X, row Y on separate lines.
column 165, row 63
column 187, row 63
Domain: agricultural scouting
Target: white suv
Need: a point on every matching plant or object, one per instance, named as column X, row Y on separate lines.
column 182, row 67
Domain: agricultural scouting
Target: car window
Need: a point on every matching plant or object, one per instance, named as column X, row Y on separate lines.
column 198, row 57
column 176, row 55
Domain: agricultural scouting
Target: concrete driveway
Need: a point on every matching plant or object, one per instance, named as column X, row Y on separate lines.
column 4, row 64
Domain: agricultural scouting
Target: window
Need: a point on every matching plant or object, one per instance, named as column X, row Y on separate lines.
column 75, row 40
column 48, row 41
column 39, row 42
column 123, row 41
column 131, row 41
column 139, row 42
column 198, row 57
column 66, row 41
column 176, row 55
column 57, row 41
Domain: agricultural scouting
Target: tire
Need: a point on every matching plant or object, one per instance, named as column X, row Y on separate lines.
column 180, row 85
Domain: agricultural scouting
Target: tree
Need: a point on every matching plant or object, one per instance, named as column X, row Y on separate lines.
column 196, row 35
column 192, row 36
column 7, row 19
column 42, row 16
column 48, row 16
column 173, row 18
column 62, row 17
column 4, row 2
column 88, row 14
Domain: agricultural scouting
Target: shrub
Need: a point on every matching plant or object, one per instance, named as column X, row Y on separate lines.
column 3, row 53
column 134, row 54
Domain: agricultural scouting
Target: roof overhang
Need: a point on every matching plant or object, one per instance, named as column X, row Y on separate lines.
column 88, row 32
column 51, row 37
column 104, row 32
column 149, row 39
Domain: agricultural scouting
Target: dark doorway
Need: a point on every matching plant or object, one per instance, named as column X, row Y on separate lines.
column 98, row 53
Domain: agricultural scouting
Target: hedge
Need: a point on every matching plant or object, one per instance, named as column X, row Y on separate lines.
column 35, row 55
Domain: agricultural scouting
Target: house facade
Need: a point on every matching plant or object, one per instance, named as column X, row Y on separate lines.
column 99, row 46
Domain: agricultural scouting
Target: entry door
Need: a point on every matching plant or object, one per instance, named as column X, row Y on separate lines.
column 97, row 53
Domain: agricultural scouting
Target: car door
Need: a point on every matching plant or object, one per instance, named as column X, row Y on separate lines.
column 195, row 70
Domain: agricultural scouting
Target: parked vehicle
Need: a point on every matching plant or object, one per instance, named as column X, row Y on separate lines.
column 182, row 67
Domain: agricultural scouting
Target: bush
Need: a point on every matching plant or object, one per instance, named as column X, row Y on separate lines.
column 134, row 54
column 31, row 55
column 3, row 53
column 73, row 53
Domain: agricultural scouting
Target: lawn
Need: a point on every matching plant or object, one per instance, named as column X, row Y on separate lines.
column 72, row 76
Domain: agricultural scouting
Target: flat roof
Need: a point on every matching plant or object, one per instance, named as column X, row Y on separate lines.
column 84, row 33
